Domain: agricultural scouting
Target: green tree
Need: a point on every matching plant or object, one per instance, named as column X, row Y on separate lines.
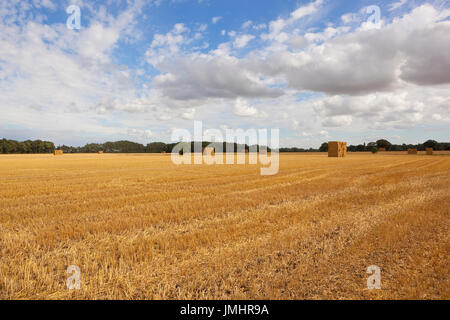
column 324, row 147
column 431, row 144
column 382, row 143
column 360, row 148
column 156, row 147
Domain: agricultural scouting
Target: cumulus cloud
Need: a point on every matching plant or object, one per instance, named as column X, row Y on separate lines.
column 366, row 75
column 350, row 17
column 214, row 20
column 140, row 133
column 298, row 42
column 169, row 44
column 356, row 62
column 242, row 108
column 260, row 26
column 242, row 40
column 202, row 27
column 276, row 27
column 188, row 114
column 45, row 4
column 199, row 76
column 247, row 24
column 396, row 5
column 52, row 78
column 362, row 62
column 428, row 58
column 34, row 60
column 401, row 109
column 337, row 121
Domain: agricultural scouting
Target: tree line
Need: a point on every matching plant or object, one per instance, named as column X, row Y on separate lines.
column 383, row 143
column 123, row 146
column 27, row 146
column 154, row 147
column 374, row 146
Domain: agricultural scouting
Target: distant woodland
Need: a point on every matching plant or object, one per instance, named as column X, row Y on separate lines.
column 39, row 146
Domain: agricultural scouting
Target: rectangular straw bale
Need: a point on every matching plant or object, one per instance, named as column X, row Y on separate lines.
column 337, row 149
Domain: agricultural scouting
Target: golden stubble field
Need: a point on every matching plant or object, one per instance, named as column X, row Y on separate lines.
column 140, row 227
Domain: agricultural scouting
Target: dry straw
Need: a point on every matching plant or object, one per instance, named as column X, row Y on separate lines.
column 337, row 149
column 429, row 151
column 57, row 152
column 412, row 151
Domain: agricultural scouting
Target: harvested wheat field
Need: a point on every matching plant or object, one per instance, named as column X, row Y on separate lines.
column 140, row 227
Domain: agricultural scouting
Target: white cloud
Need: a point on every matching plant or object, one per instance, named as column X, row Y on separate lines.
column 188, row 114
column 362, row 62
column 350, row 18
column 242, row 108
column 168, row 44
column 400, row 109
column 277, row 26
column 200, row 76
column 63, row 72
column 260, row 26
column 247, row 24
column 337, row 121
column 242, row 40
column 298, row 42
column 367, row 75
column 214, row 20
column 396, row 5
column 306, row 10
column 179, row 28
column 140, row 134
column 44, row 3
column 428, row 61
column 202, row 27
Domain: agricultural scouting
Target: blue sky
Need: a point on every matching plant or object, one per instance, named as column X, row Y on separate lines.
column 136, row 69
